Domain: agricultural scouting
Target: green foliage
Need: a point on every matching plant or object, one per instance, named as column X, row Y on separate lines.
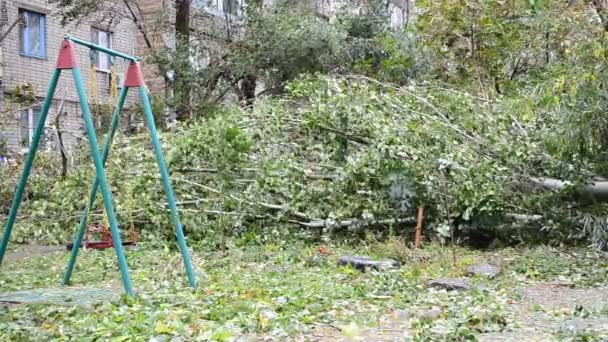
column 3, row 146
column 486, row 45
column 286, row 46
column 455, row 114
column 103, row 113
column 545, row 263
column 77, row 10
column 296, row 161
column 394, row 63
column 22, row 94
column 332, row 150
column 158, row 110
column 221, row 143
column 288, row 40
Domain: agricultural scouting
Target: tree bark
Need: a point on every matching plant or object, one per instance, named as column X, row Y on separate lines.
column 61, row 145
column 138, row 23
column 601, row 8
column 182, row 72
column 248, row 84
column 595, row 191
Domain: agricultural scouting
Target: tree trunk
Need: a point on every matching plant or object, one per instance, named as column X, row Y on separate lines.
column 248, row 84
column 595, row 192
column 182, row 72
column 601, row 8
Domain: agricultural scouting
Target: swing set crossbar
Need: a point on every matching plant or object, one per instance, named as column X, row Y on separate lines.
column 102, row 49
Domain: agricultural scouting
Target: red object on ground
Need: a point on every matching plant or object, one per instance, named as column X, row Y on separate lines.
column 323, row 250
column 134, row 76
column 67, row 56
column 106, row 239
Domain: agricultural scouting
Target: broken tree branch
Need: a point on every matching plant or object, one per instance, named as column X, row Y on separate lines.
column 59, row 134
column 352, row 222
column 596, row 191
column 524, row 217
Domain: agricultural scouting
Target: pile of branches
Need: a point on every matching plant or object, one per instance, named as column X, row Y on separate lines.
column 344, row 154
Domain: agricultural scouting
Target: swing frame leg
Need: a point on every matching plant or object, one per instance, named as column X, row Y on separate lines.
column 93, row 194
column 101, row 177
column 164, row 172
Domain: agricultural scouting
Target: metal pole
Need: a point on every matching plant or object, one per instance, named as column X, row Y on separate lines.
column 101, row 176
column 179, row 232
column 93, row 194
column 102, row 49
column 28, row 163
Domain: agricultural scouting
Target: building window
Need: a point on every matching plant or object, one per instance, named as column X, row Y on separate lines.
column 29, row 121
column 102, row 38
column 33, row 34
column 219, row 7
column 230, row 6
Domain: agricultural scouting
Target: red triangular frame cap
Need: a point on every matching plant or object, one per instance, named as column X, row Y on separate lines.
column 67, row 56
column 134, row 76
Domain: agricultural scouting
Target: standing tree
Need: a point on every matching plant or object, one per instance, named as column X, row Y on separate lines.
column 183, row 88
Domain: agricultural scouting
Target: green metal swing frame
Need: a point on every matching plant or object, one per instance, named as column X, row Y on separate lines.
column 134, row 79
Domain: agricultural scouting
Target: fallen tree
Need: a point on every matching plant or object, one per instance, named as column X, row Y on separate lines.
column 335, row 154
column 595, row 191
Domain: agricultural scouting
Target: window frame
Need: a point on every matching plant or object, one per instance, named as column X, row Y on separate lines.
column 24, row 33
column 30, row 126
column 216, row 7
column 95, row 34
column 237, row 4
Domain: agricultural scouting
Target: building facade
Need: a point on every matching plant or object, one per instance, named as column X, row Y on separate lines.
column 30, row 37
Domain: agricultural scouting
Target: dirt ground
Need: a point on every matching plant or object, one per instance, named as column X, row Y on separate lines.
column 27, row 251
column 535, row 311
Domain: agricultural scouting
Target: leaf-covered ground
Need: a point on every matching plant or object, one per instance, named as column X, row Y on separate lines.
column 294, row 292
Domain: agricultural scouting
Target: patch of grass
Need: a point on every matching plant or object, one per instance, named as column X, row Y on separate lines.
column 274, row 290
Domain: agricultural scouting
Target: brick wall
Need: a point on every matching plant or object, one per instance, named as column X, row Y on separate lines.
column 152, row 12
column 20, row 69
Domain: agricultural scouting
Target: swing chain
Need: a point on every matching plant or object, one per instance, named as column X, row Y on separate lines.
column 113, row 80
column 93, row 77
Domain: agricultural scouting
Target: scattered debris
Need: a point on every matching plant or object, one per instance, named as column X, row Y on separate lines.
column 514, row 336
column 563, row 283
column 363, row 263
column 8, row 303
column 555, row 298
column 450, row 284
column 269, row 314
column 429, row 314
column 61, row 296
column 483, row 270
column 578, row 324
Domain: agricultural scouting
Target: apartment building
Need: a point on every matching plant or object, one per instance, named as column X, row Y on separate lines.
column 30, row 37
